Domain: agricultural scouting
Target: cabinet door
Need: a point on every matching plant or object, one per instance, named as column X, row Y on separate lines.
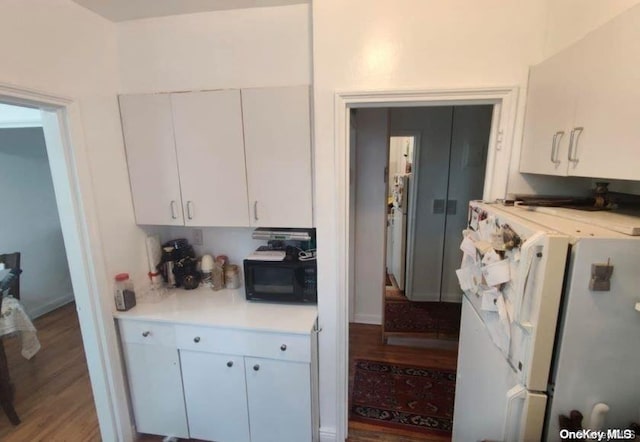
column 151, row 158
column 209, row 142
column 215, row 395
column 549, row 117
column 277, row 138
column 155, row 386
column 607, row 107
column 279, row 400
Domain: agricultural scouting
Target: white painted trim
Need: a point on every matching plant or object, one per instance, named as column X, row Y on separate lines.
column 498, row 159
column 328, row 435
column 363, row 318
column 50, row 306
column 72, row 184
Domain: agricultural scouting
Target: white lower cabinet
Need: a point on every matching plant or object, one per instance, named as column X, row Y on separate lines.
column 223, row 385
column 279, row 400
column 215, row 395
column 155, row 386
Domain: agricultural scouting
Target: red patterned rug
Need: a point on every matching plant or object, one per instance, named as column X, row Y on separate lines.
column 403, row 396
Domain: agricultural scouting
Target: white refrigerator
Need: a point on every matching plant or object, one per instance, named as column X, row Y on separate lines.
column 400, row 196
column 540, row 336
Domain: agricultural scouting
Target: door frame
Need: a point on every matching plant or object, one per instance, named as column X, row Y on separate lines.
column 505, row 101
column 71, row 174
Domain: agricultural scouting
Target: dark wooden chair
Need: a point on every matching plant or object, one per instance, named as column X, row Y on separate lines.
column 11, row 261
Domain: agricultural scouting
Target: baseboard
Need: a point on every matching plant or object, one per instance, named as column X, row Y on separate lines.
column 50, row 306
column 328, row 435
column 360, row 318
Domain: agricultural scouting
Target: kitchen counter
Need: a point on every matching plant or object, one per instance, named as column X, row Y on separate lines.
column 226, row 308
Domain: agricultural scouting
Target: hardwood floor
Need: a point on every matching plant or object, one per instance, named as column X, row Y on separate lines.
column 53, row 395
column 365, row 341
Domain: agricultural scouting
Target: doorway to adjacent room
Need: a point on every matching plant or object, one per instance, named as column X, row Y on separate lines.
column 412, row 171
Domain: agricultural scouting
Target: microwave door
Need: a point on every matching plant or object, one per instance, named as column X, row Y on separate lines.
column 273, row 283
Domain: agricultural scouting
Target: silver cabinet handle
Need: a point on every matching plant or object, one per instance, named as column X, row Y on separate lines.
column 554, row 147
column 173, row 209
column 438, row 206
column 573, row 144
column 283, row 347
column 196, row 339
column 146, row 333
column 190, row 209
column 256, row 367
column 230, row 364
column 452, row 207
column 255, row 210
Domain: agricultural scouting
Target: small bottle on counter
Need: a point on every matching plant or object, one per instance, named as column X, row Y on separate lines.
column 125, row 296
column 217, row 276
column 232, row 276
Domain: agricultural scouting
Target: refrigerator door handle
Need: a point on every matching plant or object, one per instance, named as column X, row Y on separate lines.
column 516, row 393
column 531, row 249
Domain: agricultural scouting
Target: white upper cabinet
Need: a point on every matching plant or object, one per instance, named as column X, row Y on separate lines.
column 277, row 136
column 549, row 116
column 607, row 106
column 582, row 108
column 210, row 148
column 151, row 157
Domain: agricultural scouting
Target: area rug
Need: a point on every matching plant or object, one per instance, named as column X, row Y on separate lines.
column 403, row 396
column 404, row 316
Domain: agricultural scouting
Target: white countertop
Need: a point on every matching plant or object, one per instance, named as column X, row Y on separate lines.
column 225, row 308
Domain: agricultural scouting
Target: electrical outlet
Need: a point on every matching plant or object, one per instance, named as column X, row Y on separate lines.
column 196, row 237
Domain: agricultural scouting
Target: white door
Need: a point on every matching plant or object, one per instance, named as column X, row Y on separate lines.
column 549, row 116
column 399, row 232
column 607, row 107
column 278, row 149
column 215, row 395
column 155, row 385
column 490, row 404
column 210, row 146
column 151, row 158
column 279, row 400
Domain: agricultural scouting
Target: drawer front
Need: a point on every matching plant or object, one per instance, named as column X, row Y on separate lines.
column 147, row 333
column 245, row 343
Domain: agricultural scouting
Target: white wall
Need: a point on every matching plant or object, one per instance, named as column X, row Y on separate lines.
column 60, row 48
column 30, row 223
column 221, row 49
column 370, row 212
column 570, row 20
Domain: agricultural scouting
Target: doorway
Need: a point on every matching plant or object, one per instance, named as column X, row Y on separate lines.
column 434, row 161
column 70, row 172
column 502, row 104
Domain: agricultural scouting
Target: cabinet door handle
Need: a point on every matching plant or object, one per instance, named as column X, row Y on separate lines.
column 230, row 364
column 439, row 206
column 554, row 147
column 173, row 209
column 190, row 209
column 256, row 367
column 255, row 211
column 452, row 207
column 196, row 339
column 145, row 334
column 283, row 347
column 573, row 144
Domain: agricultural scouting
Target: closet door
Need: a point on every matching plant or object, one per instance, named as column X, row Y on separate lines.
column 209, row 142
column 467, row 165
column 430, row 176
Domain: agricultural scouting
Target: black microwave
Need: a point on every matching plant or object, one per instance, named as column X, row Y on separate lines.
column 291, row 281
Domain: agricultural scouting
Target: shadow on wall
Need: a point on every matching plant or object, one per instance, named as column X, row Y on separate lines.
column 30, row 223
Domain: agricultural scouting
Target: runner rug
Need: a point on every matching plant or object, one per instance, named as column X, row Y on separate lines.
column 403, row 396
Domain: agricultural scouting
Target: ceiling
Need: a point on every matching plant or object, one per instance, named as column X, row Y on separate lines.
column 122, row 10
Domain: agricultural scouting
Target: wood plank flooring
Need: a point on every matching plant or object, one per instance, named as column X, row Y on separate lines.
column 365, row 341
column 53, row 392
